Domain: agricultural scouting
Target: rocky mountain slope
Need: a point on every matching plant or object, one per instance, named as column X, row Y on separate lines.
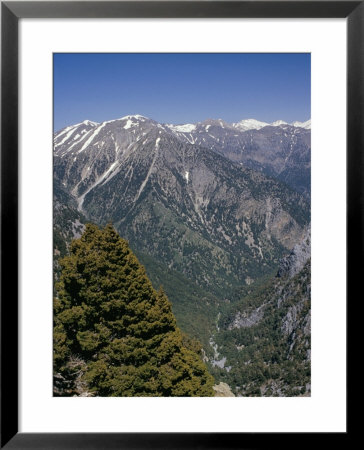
column 279, row 149
column 183, row 204
column 68, row 223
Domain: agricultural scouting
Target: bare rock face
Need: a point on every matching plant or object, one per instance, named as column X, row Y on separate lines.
column 223, row 390
column 246, row 320
column 294, row 262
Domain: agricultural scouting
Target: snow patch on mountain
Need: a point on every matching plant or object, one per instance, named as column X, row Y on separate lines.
column 98, row 181
column 68, row 135
column 278, row 123
column 186, row 128
column 129, row 124
column 142, row 186
column 62, row 132
column 80, row 140
column 306, row 125
column 92, row 137
column 89, row 122
column 135, row 116
column 249, row 124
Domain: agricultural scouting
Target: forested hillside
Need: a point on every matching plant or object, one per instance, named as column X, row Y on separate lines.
column 265, row 333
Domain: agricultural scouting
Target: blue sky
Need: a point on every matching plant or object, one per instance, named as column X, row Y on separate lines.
column 181, row 88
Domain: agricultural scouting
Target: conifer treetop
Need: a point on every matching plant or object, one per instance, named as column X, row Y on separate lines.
column 108, row 315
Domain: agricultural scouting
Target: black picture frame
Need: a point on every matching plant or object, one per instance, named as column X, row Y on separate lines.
column 11, row 12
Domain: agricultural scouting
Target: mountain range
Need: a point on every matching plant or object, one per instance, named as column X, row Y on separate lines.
column 208, row 208
column 279, row 149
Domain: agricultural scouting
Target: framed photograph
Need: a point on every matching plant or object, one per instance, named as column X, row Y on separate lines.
column 173, row 174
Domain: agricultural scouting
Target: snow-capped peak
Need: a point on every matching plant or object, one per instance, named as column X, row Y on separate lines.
column 131, row 120
column 306, row 125
column 185, row 128
column 73, row 132
column 89, row 122
column 278, row 123
column 135, row 116
column 249, row 124
column 76, row 125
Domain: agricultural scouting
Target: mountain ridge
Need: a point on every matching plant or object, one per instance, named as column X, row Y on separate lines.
column 243, row 124
column 281, row 151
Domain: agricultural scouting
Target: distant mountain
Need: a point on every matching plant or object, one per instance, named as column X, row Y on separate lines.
column 306, row 125
column 249, row 124
column 242, row 125
column 279, row 149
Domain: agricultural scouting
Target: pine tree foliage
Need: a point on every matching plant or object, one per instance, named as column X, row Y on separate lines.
column 108, row 315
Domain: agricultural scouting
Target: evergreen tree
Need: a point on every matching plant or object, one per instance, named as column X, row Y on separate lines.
column 109, row 318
